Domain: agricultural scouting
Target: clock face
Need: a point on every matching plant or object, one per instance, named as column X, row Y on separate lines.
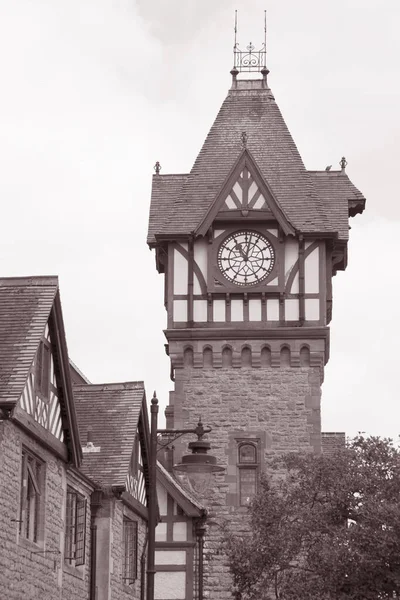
column 246, row 258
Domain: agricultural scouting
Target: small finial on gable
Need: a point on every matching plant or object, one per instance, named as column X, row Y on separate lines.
column 157, row 168
column 343, row 163
column 244, row 138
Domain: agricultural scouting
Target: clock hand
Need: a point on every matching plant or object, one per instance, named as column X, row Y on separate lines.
column 239, row 247
column 248, row 245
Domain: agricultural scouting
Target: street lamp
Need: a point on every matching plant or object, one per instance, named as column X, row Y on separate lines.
column 196, row 469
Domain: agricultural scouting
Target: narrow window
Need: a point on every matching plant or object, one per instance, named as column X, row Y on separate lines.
column 248, row 472
column 75, row 528
column 31, row 496
column 129, row 571
column 42, row 371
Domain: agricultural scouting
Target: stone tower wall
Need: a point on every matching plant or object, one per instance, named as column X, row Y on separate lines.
column 266, row 393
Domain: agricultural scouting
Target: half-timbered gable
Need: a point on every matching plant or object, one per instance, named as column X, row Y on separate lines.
column 35, row 386
column 114, row 431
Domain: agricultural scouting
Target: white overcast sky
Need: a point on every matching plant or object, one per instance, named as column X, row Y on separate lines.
column 93, row 92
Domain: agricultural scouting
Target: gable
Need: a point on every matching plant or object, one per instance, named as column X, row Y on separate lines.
column 31, row 318
column 41, row 396
column 245, row 195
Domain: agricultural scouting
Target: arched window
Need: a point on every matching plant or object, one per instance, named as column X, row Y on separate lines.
column 304, row 357
column 246, row 357
column 207, row 357
column 265, row 357
column 285, row 358
column 226, row 357
column 247, row 471
column 188, row 357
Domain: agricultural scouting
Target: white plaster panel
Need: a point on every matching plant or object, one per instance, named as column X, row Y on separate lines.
column 162, row 499
column 311, row 309
column 170, row 557
column 200, row 258
column 200, row 311
column 307, row 244
column 252, row 190
column 273, row 281
column 260, row 202
column 218, row 232
column 273, row 309
column 179, row 531
column 161, row 532
column 311, row 272
column 255, row 309
column 230, row 203
column 291, row 255
column 180, row 273
column 237, row 309
column 292, row 310
column 170, row 584
column 273, row 231
column 219, row 310
column 180, row 310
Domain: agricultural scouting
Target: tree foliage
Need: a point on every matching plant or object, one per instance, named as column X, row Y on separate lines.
column 324, row 528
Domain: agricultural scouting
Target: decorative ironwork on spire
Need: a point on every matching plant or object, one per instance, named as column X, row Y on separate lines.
column 250, row 60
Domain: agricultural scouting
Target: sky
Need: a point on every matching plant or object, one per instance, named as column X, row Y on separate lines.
column 94, row 92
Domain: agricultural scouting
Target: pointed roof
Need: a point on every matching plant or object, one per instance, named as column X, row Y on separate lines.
column 27, row 304
column 180, row 204
column 112, row 412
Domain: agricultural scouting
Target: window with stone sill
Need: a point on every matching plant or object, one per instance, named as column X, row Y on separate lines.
column 75, row 528
column 130, row 551
column 248, row 468
column 31, row 497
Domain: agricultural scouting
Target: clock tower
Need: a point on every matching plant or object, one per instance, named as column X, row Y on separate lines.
column 248, row 243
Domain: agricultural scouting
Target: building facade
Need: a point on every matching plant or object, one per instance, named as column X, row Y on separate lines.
column 248, row 243
column 73, row 498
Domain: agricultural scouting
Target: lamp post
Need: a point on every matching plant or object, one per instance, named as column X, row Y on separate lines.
column 196, row 465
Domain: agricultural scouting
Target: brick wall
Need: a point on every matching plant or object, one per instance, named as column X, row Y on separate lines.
column 29, row 570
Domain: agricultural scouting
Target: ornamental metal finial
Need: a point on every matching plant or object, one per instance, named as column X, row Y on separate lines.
column 343, row 163
column 157, row 168
column 250, row 60
column 244, row 138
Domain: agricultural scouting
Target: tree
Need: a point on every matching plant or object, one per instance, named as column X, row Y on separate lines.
column 324, row 527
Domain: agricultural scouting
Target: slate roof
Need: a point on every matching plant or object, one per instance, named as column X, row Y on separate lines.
column 25, row 305
column 336, row 192
column 165, row 190
column 112, row 411
column 179, row 203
